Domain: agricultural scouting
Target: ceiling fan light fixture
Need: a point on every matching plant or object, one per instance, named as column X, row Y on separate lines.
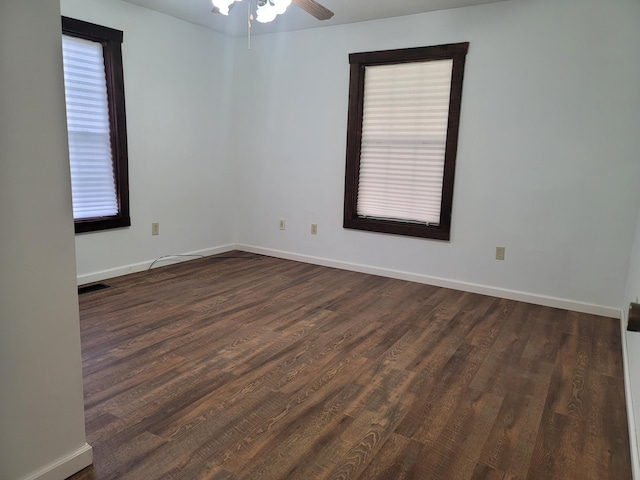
column 265, row 13
column 223, row 5
column 281, row 5
column 267, row 10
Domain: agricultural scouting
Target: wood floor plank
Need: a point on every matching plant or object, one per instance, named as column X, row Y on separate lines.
column 545, row 334
column 604, row 427
column 548, row 459
column 483, row 472
column 292, row 452
column 396, row 459
column 560, row 444
column 607, row 348
column 428, row 417
column 456, row 451
column 567, row 384
column 241, row 366
column 510, row 443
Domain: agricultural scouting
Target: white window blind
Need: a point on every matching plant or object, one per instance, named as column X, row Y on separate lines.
column 92, row 175
column 404, row 133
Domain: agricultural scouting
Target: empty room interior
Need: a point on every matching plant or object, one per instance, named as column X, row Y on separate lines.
column 253, row 323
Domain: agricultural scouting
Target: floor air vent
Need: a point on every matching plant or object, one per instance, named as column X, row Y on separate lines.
column 92, row 288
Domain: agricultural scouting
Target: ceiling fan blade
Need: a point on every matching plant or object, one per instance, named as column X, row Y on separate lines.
column 314, row 8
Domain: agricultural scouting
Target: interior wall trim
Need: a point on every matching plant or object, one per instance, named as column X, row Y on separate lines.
column 141, row 266
column 65, row 466
column 628, row 395
column 536, row 299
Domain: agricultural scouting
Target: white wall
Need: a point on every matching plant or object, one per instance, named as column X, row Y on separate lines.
column 220, row 135
column 177, row 84
column 547, row 159
column 41, row 406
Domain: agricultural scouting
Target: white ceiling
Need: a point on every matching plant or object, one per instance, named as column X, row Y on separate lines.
column 346, row 11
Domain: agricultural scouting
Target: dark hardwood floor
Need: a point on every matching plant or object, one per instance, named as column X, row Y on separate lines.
column 257, row 367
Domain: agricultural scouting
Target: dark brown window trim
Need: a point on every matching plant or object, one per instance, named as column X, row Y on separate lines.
column 358, row 62
column 111, row 41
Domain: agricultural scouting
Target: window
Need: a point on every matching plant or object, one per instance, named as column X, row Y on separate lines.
column 404, row 110
column 96, row 124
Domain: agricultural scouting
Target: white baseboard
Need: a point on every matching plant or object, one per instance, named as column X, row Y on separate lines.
column 537, row 299
column 631, row 420
column 442, row 282
column 65, row 466
column 141, row 266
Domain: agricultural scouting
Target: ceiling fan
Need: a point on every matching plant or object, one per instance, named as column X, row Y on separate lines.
column 267, row 10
